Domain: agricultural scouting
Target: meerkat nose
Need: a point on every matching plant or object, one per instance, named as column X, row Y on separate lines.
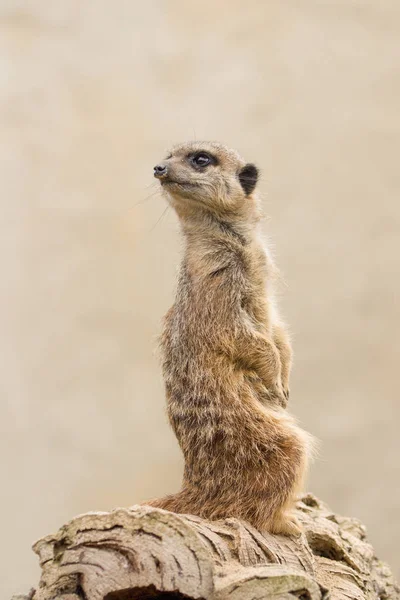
column 160, row 170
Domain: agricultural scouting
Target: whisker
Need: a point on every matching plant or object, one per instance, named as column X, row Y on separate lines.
column 160, row 218
column 143, row 200
column 152, row 184
column 147, row 198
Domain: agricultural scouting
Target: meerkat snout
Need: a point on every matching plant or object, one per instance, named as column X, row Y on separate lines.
column 160, row 170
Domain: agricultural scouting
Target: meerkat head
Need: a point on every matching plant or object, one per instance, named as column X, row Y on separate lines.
column 207, row 176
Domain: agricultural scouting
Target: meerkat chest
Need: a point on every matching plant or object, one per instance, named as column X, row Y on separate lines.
column 258, row 294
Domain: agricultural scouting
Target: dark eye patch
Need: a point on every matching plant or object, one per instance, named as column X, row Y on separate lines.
column 201, row 159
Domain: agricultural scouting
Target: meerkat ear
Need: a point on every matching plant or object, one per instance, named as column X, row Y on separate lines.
column 248, row 177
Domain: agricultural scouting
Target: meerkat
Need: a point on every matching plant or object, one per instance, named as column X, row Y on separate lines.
column 226, row 353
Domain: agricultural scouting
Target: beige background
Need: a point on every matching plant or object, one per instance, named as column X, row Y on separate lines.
column 92, row 94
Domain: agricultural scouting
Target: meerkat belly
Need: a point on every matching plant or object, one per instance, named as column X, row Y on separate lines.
column 201, row 396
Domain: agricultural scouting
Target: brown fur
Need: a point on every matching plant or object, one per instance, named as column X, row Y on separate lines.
column 226, row 355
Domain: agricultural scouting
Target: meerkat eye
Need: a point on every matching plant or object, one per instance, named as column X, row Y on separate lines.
column 201, row 159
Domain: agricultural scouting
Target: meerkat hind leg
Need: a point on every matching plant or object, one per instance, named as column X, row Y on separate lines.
column 285, row 523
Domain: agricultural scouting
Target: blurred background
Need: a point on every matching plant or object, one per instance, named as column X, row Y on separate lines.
column 92, row 95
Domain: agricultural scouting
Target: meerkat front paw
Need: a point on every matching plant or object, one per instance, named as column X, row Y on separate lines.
column 281, row 394
column 286, row 393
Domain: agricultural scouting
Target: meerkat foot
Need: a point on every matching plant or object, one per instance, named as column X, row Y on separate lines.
column 286, row 524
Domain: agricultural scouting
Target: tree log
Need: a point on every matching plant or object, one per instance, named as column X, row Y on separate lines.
column 148, row 553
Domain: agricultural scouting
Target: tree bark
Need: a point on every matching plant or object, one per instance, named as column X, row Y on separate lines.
column 148, row 553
